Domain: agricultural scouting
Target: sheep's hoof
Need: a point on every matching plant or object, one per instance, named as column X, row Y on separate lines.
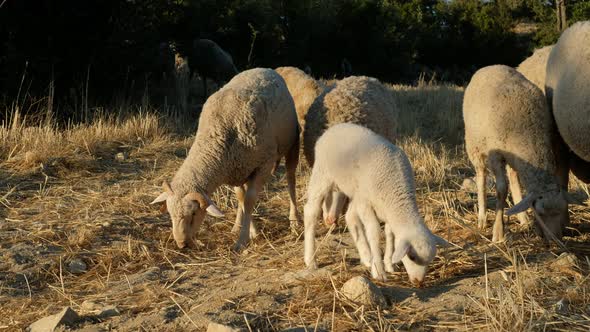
column 389, row 267
column 312, row 266
column 238, row 247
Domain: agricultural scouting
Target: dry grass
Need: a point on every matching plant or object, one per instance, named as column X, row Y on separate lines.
column 65, row 195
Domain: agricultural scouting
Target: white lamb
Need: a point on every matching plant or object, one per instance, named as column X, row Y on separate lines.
column 244, row 129
column 377, row 176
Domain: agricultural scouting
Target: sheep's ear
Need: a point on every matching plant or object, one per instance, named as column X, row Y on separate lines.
column 573, row 200
column 439, row 241
column 522, row 205
column 162, row 198
column 400, row 252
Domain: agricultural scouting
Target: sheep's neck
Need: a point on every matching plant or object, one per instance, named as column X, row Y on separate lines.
column 198, row 173
column 535, row 179
column 402, row 212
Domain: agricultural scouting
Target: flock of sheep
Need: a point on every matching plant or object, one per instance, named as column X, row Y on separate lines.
column 527, row 134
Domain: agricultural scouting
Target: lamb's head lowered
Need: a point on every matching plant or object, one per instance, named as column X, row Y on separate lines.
column 187, row 213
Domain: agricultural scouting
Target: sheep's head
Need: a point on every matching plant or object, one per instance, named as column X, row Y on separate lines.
column 187, row 213
column 416, row 252
column 550, row 209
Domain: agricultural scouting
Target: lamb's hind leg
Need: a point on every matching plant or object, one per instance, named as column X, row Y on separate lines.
column 254, row 185
column 292, row 159
column 497, row 166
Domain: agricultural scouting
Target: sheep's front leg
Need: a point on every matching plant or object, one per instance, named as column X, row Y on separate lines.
column 373, row 230
column 291, row 162
column 357, row 232
column 389, row 248
column 480, row 181
column 254, row 185
column 240, row 195
column 501, row 193
column 516, row 194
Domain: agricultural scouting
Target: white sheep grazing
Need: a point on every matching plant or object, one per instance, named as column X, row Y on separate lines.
column 533, row 67
column 507, row 122
column 244, row 129
column 568, row 95
column 378, row 178
column 355, row 99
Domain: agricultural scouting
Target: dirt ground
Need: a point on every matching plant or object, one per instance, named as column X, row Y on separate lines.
column 91, row 205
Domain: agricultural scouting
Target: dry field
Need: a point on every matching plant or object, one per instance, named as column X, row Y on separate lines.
column 82, row 193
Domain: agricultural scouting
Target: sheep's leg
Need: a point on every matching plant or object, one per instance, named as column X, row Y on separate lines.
column 501, row 193
column 319, row 187
column 372, row 228
column 326, row 205
column 291, row 162
column 357, row 232
column 389, row 246
column 480, row 180
column 240, row 195
column 335, row 208
column 253, row 187
column 516, row 193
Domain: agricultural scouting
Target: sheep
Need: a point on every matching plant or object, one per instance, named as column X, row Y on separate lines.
column 355, row 99
column 377, row 176
column 533, row 67
column 508, row 123
column 567, row 86
column 303, row 88
column 244, row 128
column 210, row 61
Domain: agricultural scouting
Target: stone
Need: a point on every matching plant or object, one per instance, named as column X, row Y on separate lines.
column 565, row 261
column 108, row 311
column 67, row 317
column 122, row 156
column 77, row 266
column 363, row 291
column 215, row 327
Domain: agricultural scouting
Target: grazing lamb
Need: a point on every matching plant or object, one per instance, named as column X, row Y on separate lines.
column 568, row 95
column 378, row 178
column 244, row 129
column 533, row 67
column 356, row 99
column 211, row 61
column 303, row 88
column 507, row 122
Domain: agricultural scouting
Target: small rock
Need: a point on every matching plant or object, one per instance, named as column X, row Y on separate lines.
column 565, row 260
column 89, row 306
column 122, row 156
column 214, row 327
column 66, row 317
column 77, row 266
column 109, row 311
column 362, row 290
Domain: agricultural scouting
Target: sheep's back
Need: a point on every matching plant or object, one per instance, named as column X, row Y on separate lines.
column 357, row 99
column 568, row 86
column 534, row 67
column 505, row 112
column 250, row 121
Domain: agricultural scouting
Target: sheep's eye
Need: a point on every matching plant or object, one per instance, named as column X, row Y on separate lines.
column 412, row 256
